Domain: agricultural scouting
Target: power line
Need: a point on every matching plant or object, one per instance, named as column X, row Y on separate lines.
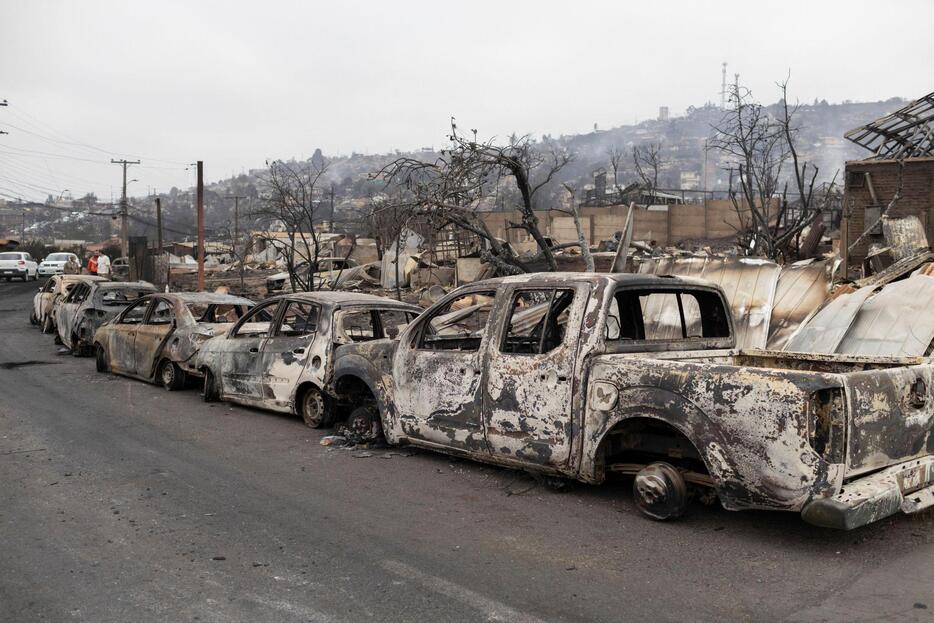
column 19, row 112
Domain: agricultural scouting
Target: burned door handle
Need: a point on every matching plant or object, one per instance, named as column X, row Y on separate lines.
column 254, row 349
column 298, row 351
column 562, row 379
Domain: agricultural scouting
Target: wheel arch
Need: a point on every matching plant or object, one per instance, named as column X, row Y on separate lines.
column 683, row 422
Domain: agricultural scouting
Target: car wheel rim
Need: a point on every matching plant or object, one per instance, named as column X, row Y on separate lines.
column 168, row 374
column 313, row 408
column 660, row 491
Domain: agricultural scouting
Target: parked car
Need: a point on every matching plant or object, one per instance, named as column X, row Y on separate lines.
column 279, row 356
column 89, row 305
column 325, row 271
column 157, row 337
column 54, row 289
column 18, row 265
column 584, row 375
column 54, row 263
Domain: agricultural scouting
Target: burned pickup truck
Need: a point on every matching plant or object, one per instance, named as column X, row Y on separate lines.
column 585, row 375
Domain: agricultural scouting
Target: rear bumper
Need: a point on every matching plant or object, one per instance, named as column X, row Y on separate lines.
column 907, row 487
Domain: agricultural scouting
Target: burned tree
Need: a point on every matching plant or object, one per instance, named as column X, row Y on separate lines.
column 760, row 145
column 647, row 162
column 574, row 211
column 289, row 205
column 240, row 244
column 471, row 173
column 388, row 218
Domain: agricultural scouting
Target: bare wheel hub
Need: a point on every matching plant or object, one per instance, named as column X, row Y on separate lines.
column 660, row 491
column 168, row 374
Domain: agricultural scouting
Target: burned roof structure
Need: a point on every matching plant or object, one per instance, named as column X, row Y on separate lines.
column 906, row 133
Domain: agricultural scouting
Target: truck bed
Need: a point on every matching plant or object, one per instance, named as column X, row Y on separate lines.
column 888, row 401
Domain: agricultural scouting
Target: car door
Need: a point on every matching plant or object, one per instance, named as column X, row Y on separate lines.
column 122, row 355
column 529, row 384
column 239, row 362
column 288, row 349
column 42, row 300
column 67, row 311
column 152, row 334
column 437, row 373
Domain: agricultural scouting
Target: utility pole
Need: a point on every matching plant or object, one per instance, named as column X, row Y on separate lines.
column 124, row 211
column 159, row 223
column 22, row 231
column 159, row 239
column 706, row 151
column 331, row 219
column 200, row 225
column 236, row 199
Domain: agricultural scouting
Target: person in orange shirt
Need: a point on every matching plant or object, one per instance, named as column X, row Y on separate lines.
column 92, row 264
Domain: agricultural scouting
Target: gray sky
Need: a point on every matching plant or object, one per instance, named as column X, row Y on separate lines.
column 233, row 83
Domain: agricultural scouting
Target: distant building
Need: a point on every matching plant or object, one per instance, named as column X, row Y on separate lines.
column 663, row 113
column 690, row 180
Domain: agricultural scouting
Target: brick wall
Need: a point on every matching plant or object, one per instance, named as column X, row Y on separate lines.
column 680, row 222
column 917, row 197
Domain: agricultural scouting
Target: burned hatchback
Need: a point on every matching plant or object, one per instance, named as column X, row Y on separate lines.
column 157, row 337
column 279, row 356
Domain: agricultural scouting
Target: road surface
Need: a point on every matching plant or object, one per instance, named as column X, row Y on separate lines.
column 120, row 501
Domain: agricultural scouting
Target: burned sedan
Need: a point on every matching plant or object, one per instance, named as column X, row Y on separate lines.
column 89, row 305
column 157, row 337
column 279, row 356
column 583, row 375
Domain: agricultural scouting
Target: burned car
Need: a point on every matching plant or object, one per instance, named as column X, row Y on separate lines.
column 157, row 337
column 279, row 356
column 586, row 375
column 90, row 304
column 53, row 291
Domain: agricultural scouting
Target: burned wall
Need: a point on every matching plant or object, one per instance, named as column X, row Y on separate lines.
column 864, row 198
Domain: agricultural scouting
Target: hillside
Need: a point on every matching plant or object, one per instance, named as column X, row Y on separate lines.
column 682, row 141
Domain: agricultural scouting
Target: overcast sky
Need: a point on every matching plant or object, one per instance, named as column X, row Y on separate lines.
column 233, row 83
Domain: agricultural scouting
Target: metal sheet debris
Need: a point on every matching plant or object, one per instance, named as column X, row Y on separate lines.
column 801, row 289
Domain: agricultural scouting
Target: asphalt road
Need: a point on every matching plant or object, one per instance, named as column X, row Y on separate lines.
column 120, row 501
